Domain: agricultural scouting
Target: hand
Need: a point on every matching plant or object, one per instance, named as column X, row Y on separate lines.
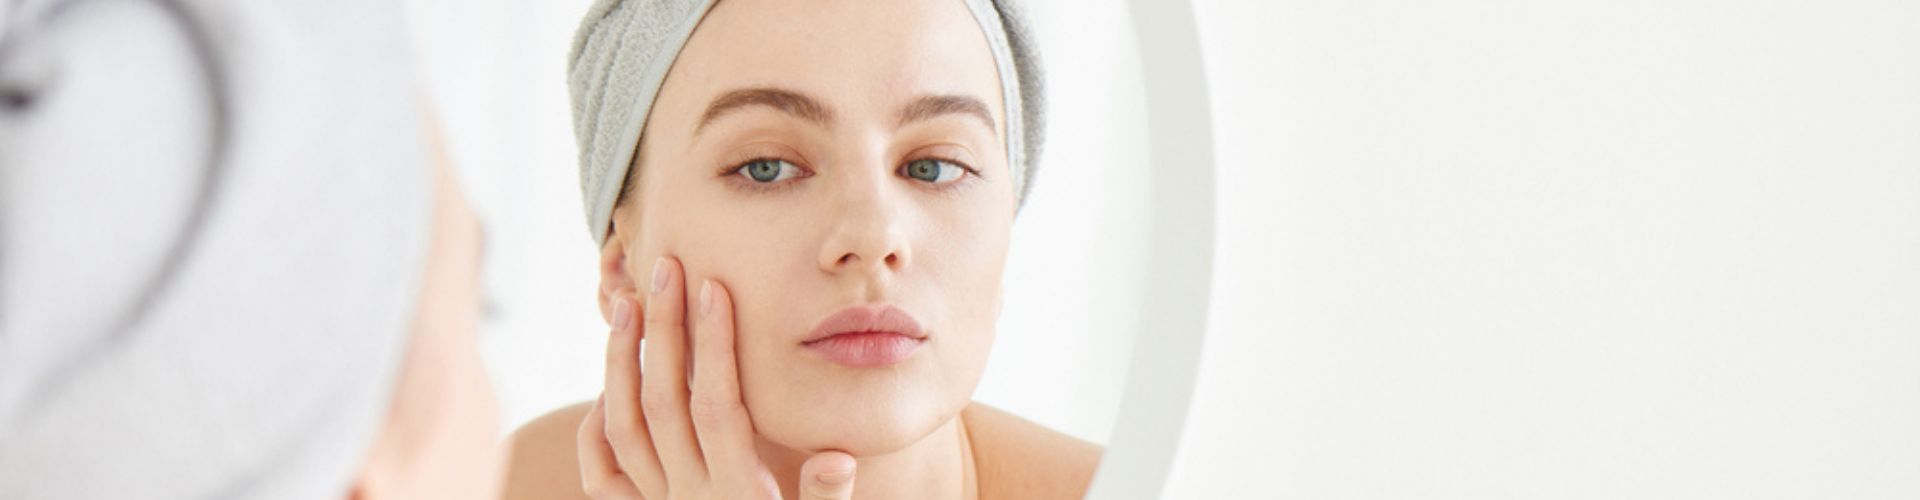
column 650, row 437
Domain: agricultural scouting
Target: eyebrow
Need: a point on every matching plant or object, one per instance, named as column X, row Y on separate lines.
column 935, row 105
column 807, row 108
column 786, row 101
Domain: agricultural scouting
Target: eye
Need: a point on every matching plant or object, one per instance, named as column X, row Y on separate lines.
column 767, row 171
column 933, row 171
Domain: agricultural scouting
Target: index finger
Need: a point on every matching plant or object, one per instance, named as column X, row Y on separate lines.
column 719, row 416
column 624, row 427
column 663, row 383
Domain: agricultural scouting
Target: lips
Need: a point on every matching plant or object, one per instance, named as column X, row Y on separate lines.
column 866, row 336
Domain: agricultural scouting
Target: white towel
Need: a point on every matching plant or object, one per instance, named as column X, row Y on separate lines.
column 213, row 221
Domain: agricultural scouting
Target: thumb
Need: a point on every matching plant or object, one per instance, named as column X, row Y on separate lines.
column 827, row 476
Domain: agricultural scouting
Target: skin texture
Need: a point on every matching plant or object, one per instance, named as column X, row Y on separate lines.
column 881, row 85
column 439, row 438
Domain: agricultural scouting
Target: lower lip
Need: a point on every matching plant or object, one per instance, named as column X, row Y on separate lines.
column 866, row 350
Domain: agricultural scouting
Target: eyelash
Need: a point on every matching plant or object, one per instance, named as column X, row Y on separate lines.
column 733, row 176
column 966, row 179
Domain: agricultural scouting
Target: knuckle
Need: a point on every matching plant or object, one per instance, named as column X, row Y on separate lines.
column 661, row 318
column 713, row 408
column 586, row 425
column 621, row 436
column 658, row 404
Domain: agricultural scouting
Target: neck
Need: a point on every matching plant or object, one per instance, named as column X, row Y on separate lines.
column 938, row 467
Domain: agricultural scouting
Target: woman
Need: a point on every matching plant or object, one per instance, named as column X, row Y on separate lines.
column 810, row 240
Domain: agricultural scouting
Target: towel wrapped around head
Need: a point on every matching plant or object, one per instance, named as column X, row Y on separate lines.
column 624, row 48
column 213, row 221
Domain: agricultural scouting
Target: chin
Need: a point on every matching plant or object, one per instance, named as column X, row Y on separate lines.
column 862, row 419
column 861, row 435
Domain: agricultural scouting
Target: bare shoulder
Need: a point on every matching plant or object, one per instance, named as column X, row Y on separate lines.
column 544, row 464
column 1016, row 458
column 1013, row 457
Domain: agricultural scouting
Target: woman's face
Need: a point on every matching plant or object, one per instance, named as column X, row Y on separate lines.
column 813, row 156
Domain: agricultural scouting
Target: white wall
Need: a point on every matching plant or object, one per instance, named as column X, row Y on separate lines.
column 1624, row 249
column 1074, row 278
column 496, row 68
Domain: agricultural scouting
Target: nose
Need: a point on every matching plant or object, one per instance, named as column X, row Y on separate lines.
column 869, row 235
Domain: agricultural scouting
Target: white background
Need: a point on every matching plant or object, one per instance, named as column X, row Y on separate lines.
column 1621, row 249
column 497, row 71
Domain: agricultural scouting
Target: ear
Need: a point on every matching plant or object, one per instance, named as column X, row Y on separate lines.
column 615, row 281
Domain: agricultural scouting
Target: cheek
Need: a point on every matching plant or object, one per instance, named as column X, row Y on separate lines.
column 968, row 252
column 964, row 265
column 763, row 266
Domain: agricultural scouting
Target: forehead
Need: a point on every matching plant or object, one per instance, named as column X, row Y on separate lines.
column 859, row 56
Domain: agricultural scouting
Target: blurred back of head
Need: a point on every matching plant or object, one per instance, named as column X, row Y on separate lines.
column 215, row 227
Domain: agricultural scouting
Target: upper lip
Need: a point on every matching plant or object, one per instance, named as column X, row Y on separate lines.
column 878, row 318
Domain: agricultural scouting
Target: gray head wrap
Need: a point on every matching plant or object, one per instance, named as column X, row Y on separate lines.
column 624, row 48
column 213, row 221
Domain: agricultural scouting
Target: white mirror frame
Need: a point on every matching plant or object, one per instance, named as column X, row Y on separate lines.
column 1179, row 276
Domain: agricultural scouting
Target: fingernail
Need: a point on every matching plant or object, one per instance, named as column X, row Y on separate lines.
column 706, row 297
column 834, row 478
column 622, row 315
column 659, row 275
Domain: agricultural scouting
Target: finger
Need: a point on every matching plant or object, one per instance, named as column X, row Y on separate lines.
column 625, row 426
column 827, row 476
column 720, row 419
column 663, row 388
column 600, row 475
